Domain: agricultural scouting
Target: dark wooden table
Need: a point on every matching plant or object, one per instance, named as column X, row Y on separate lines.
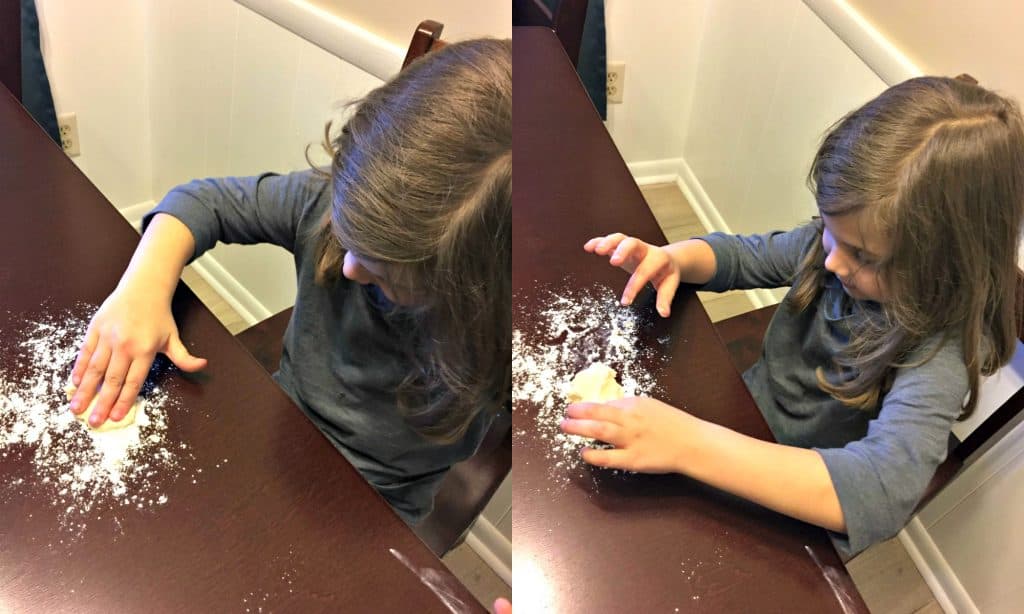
column 628, row 542
column 285, row 525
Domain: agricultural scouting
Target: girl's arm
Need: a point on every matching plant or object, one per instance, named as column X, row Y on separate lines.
column 133, row 324
column 790, row 480
column 691, row 262
column 653, row 437
column 135, row 321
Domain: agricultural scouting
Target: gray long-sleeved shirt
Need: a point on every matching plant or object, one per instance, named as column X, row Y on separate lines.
column 880, row 461
column 342, row 359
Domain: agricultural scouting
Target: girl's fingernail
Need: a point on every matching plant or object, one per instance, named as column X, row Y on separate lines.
column 74, row 407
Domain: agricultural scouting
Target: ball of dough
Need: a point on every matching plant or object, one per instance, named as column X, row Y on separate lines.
column 595, row 384
column 108, row 424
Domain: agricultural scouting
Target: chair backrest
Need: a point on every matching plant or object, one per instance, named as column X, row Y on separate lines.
column 567, row 21
column 10, row 47
column 427, row 37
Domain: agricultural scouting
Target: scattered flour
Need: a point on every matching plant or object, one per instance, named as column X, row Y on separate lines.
column 85, row 475
column 574, row 328
column 262, row 601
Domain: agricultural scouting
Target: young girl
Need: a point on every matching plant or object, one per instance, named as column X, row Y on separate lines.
column 902, row 297
column 399, row 346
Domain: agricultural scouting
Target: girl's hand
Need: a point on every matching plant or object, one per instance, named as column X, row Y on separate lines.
column 649, row 436
column 646, row 262
column 122, row 340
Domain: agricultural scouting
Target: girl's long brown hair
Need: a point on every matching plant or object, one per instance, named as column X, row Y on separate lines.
column 421, row 180
column 939, row 165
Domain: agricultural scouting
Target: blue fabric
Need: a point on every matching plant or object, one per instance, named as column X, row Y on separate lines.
column 593, row 62
column 344, row 353
column 35, row 86
column 880, row 461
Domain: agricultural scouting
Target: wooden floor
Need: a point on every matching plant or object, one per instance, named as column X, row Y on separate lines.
column 467, row 566
column 885, row 575
column 213, row 301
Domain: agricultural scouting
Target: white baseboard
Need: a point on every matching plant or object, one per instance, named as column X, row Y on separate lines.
column 676, row 170
column 937, row 573
column 494, row 548
column 134, row 213
column 233, row 292
column 224, row 283
column 655, row 171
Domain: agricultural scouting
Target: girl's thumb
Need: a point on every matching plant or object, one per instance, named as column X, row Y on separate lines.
column 180, row 356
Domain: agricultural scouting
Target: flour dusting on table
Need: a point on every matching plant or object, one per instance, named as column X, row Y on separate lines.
column 86, row 476
column 574, row 328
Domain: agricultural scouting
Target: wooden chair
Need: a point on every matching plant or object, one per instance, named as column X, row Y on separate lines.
column 744, row 334
column 567, row 21
column 427, row 37
column 10, row 46
column 469, row 485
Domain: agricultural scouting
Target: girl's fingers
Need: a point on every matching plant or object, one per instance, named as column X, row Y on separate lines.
column 84, row 356
column 91, row 378
column 629, row 254
column 131, row 387
column 666, row 292
column 113, row 381
column 595, row 429
column 594, row 411
column 644, row 273
column 603, row 246
column 612, row 459
column 651, row 269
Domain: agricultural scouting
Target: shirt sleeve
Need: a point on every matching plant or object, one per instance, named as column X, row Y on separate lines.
column 881, row 478
column 766, row 260
column 266, row 208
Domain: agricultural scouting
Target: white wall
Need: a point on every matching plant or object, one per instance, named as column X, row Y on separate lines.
column 234, row 94
column 95, row 59
column 981, row 37
column 771, row 79
column 461, row 18
column 659, row 44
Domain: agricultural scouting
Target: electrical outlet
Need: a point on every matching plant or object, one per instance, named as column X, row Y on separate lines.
column 68, row 125
column 615, row 81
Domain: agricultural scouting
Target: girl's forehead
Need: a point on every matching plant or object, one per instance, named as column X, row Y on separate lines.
column 860, row 230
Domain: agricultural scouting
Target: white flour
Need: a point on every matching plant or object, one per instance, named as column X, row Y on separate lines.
column 86, row 476
column 574, row 328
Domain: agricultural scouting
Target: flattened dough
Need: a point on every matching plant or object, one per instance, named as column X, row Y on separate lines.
column 595, row 384
column 108, row 425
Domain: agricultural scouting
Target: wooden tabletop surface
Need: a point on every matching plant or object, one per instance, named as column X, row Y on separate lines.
column 246, row 506
column 593, row 540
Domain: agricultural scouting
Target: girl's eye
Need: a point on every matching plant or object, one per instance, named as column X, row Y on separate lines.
column 864, row 259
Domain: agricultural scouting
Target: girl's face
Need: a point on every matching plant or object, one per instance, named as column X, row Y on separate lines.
column 854, row 249
column 365, row 273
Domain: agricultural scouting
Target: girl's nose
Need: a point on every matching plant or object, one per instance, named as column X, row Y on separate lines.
column 351, row 269
column 835, row 264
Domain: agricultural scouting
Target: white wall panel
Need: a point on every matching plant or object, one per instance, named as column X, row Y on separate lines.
column 96, row 62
